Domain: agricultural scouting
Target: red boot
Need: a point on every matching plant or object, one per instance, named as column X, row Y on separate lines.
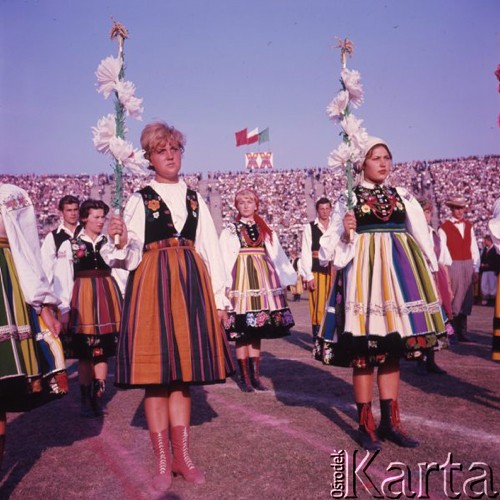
column 182, row 463
column 255, row 375
column 163, row 478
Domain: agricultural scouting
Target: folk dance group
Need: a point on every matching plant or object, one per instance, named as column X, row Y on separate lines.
column 373, row 299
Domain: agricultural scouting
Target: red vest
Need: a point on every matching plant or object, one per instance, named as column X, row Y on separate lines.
column 458, row 246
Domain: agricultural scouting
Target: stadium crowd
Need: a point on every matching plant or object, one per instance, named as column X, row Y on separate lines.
column 287, row 196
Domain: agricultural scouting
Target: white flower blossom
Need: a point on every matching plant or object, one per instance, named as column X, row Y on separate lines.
column 337, row 107
column 340, row 156
column 107, row 75
column 124, row 152
column 103, row 132
column 351, row 79
column 127, row 97
column 353, row 129
column 136, row 163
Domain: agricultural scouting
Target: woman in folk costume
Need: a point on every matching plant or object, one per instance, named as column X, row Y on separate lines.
column 32, row 367
column 384, row 304
column 494, row 228
column 91, row 305
column 259, row 272
column 171, row 334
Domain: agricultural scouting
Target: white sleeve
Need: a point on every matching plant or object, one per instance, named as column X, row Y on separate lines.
column 282, row 264
column 49, row 256
column 474, row 248
column 417, row 226
column 64, row 276
column 306, row 254
column 207, row 245
column 445, row 257
column 130, row 256
column 230, row 245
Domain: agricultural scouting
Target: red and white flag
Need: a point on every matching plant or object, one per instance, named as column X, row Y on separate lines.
column 253, row 136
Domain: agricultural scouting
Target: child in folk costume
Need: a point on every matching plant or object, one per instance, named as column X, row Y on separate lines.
column 32, row 366
column 91, row 305
column 384, row 304
column 171, row 334
column 259, row 273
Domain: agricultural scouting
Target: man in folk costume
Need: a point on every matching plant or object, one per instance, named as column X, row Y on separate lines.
column 68, row 228
column 318, row 279
column 459, row 236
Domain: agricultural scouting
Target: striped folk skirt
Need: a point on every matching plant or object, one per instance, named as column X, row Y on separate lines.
column 94, row 320
column 32, row 366
column 259, row 306
column 383, row 304
column 170, row 330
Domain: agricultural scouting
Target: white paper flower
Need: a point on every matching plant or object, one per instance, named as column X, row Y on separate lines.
column 127, row 97
column 136, row 163
column 337, row 107
column 103, row 132
column 358, row 140
column 352, row 83
column 120, row 148
column 340, row 156
column 107, row 75
column 131, row 158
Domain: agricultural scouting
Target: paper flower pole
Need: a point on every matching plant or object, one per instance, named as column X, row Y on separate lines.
column 354, row 136
column 109, row 133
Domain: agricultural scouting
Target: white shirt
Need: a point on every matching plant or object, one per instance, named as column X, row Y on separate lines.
column 306, row 258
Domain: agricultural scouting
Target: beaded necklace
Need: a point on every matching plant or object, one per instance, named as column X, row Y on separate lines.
column 249, row 233
column 380, row 201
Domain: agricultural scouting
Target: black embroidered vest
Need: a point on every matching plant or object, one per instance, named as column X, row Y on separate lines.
column 380, row 206
column 159, row 222
column 85, row 257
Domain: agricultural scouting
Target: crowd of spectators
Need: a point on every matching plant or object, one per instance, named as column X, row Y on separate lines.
column 287, row 197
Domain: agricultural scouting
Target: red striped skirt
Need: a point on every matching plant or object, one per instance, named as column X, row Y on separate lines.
column 170, row 328
column 94, row 320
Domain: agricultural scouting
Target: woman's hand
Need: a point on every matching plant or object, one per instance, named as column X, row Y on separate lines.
column 349, row 226
column 117, row 227
column 50, row 321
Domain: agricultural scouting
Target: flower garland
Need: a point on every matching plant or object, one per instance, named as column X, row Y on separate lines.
column 354, row 136
column 109, row 133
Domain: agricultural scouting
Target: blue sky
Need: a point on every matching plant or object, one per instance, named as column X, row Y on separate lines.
column 214, row 67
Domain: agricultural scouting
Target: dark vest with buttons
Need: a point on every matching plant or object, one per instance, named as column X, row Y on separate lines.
column 159, row 222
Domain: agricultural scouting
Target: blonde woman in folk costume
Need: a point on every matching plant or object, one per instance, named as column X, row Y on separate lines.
column 171, row 334
column 384, row 305
column 32, row 366
column 258, row 273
